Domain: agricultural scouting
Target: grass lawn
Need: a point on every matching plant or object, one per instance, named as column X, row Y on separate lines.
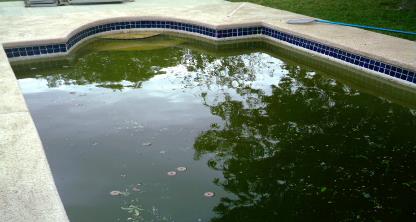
column 394, row 14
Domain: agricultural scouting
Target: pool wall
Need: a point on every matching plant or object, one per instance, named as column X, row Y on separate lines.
column 61, row 47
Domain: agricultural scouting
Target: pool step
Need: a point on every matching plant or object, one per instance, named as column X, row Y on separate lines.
column 130, row 36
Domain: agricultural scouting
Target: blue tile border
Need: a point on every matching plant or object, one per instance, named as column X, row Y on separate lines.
column 339, row 54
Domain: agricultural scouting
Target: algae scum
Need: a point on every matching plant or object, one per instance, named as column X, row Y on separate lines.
column 173, row 129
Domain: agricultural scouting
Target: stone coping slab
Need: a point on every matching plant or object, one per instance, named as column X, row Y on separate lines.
column 27, row 189
column 27, row 192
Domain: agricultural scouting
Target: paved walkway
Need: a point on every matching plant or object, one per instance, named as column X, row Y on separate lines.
column 27, row 190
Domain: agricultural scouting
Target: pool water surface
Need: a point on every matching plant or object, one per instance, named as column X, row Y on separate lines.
column 174, row 129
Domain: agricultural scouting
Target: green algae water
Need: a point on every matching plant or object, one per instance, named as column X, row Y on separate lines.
column 142, row 130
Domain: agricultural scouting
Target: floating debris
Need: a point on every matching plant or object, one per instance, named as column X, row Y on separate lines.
column 146, row 144
column 72, row 93
column 281, row 182
column 115, row 193
column 366, row 195
column 135, row 211
column 135, row 189
column 171, row 173
column 181, row 169
column 209, row 194
column 162, row 152
column 123, row 175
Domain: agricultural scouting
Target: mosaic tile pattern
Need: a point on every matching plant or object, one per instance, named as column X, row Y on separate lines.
column 336, row 53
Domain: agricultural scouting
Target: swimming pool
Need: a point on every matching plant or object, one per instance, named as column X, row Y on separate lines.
column 270, row 134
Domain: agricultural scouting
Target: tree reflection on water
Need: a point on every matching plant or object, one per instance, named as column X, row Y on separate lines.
column 313, row 149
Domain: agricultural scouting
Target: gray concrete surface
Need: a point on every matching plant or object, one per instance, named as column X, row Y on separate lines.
column 27, row 189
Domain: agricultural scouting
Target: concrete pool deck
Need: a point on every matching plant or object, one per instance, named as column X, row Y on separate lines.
column 27, row 189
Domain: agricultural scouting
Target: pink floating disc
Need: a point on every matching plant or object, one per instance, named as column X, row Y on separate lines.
column 115, row 193
column 171, row 173
column 209, row 194
column 181, row 169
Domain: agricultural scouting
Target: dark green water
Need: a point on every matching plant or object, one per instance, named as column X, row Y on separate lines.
column 274, row 139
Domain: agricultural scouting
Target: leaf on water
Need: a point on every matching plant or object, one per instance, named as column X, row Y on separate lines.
column 146, row 144
column 406, row 184
column 133, row 209
column 366, row 195
column 323, row 189
column 281, row 182
column 125, row 193
column 361, row 157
